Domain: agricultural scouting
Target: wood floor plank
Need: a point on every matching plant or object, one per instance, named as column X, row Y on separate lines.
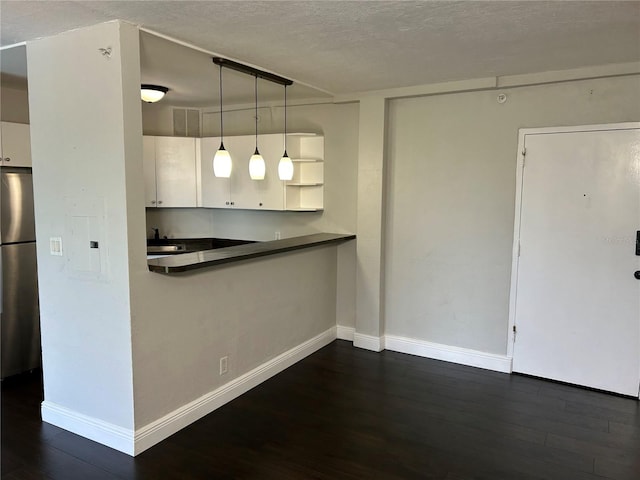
column 348, row 413
column 26, row 473
column 587, row 397
column 625, row 456
column 612, row 469
column 606, row 413
column 105, row 458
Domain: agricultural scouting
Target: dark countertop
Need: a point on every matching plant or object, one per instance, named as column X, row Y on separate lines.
column 211, row 258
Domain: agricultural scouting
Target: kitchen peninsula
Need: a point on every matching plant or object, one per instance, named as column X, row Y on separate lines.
column 132, row 356
column 211, row 258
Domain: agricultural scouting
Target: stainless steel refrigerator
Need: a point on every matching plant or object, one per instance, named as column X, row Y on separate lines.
column 20, row 318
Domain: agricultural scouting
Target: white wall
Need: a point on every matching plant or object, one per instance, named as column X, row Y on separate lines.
column 338, row 123
column 450, row 209
column 86, row 152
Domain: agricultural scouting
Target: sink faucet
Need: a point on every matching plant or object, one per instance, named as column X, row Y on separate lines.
column 156, row 233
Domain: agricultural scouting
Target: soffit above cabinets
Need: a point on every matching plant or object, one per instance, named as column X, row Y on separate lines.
column 13, row 67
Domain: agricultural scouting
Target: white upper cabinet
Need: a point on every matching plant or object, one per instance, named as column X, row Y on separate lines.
column 239, row 191
column 216, row 192
column 16, row 145
column 242, row 191
column 174, row 162
column 149, row 168
column 266, row 194
column 270, row 191
column 305, row 192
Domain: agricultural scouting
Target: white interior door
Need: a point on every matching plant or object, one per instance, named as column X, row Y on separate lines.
column 577, row 302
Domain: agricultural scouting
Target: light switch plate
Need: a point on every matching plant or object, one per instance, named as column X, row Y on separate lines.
column 55, row 246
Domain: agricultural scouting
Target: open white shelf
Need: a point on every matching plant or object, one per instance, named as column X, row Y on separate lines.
column 305, row 191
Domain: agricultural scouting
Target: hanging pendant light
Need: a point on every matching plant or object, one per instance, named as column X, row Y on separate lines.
column 257, row 167
column 222, row 163
column 285, row 167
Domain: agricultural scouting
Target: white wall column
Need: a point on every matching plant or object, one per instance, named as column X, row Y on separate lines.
column 86, row 134
column 370, row 224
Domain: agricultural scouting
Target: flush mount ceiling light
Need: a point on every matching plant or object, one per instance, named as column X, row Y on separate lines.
column 152, row 93
column 222, row 163
column 285, row 167
column 257, row 166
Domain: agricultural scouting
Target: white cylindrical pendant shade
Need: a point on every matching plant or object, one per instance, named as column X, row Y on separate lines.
column 257, row 167
column 222, row 163
column 285, row 168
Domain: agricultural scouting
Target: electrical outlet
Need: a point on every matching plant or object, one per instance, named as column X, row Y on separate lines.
column 224, row 365
column 277, row 235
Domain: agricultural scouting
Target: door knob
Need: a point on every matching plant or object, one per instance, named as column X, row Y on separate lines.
column 637, row 274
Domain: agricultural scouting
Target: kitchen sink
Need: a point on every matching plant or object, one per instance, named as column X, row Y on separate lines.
column 166, row 248
column 173, row 246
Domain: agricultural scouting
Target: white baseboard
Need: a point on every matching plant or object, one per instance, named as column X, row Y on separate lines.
column 113, row 436
column 131, row 443
column 464, row 356
column 368, row 342
column 346, row 333
column 162, row 428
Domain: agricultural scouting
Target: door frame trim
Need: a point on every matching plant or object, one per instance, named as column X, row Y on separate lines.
column 522, row 136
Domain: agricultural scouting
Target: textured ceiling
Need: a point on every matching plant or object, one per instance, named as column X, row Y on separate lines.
column 352, row 46
column 193, row 78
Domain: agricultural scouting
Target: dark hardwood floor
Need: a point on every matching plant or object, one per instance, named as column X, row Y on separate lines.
column 346, row 413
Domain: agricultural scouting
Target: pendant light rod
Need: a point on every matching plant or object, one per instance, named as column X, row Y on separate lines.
column 285, row 119
column 239, row 67
column 221, row 127
column 257, row 166
column 256, row 91
column 285, row 166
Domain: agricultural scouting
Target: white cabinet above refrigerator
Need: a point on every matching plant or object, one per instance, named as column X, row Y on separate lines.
column 16, row 145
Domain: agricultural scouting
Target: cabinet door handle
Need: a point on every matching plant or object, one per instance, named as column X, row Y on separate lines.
column 233, row 203
column 159, row 202
column 260, row 203
column 226, row 203
column 153, row 202
column 7, row 159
